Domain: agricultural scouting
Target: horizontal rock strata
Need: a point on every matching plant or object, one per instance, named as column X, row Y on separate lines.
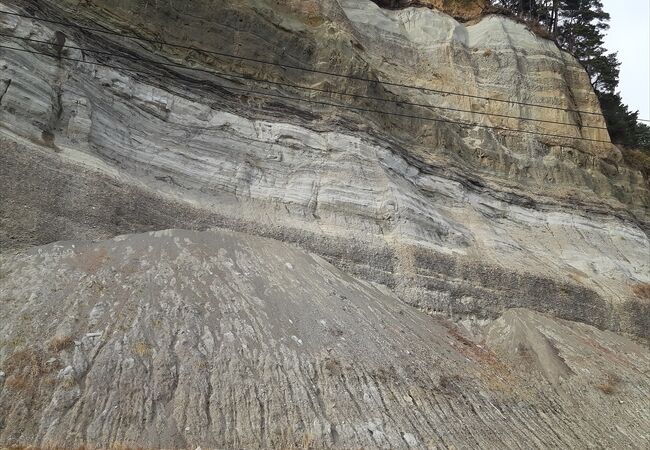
column 333, row 205
column 460, row 221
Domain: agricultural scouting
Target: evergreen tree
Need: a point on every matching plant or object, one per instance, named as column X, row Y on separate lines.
column 643, row 136
column 581, row 32
column 621, row 122
column 544, row 12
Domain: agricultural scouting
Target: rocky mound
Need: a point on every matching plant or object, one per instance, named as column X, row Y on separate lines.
column 223, row 340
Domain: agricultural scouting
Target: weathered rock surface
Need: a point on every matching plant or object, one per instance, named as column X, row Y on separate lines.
column 462, row 9
column 223, row 340
column 465, row 221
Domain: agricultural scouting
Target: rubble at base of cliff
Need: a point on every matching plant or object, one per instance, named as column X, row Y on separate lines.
column 312, row 224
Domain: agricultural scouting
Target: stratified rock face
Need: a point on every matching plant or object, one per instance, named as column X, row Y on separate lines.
column 466, row 221
column 462, row 9
column 228, row 339
column 179, row 339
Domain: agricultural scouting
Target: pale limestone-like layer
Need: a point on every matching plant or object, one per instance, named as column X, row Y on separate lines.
column 196, row 145
column 178, row 339
column 495, row 58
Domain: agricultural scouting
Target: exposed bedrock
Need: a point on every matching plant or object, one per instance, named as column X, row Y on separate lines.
column 180, row 339
column 460, row 9
column 466, row 221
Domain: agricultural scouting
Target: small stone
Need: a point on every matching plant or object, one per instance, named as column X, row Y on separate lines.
column 68, row 370
column 410, row 439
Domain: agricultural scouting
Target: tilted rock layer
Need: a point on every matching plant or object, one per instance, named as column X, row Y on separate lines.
column 179, row 339
column 461, row 220
column 463, row 9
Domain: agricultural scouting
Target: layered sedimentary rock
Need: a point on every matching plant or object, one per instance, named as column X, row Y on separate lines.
column 461, row 9
column 179, row 339
column 484, row 208
column 465, row 220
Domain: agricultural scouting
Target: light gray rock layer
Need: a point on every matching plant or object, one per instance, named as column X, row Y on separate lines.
column 459, row 221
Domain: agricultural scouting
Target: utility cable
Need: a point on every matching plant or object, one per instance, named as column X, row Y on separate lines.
column 293, row 67
column 314, row 89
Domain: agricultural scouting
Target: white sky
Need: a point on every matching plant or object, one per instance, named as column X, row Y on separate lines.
column 629, row 35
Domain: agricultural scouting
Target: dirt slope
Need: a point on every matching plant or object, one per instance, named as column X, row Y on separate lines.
column 179, row 339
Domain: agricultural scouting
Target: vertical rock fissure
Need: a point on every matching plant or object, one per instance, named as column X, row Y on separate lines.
column 4, row 90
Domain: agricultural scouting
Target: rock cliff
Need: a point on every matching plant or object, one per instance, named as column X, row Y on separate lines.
column 466, row 220
column 461, row 9
column 463, row 169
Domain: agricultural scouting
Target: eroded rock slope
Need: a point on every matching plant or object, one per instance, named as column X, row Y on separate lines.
column 179, row 339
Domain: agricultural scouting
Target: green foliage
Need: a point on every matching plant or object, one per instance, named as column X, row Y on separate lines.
column 643, row 136
column 623, row 125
